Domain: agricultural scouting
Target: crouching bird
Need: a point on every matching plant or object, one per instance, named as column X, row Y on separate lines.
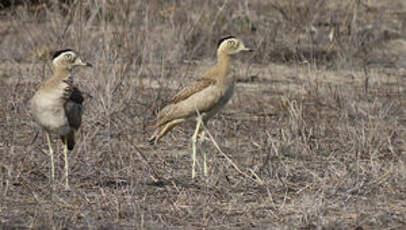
column 203, row 98
column 57, row 105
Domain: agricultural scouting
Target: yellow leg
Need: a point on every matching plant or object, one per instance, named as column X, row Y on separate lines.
column 65, row 151
column 194, row 140
column 51, row 154
column 203, row 149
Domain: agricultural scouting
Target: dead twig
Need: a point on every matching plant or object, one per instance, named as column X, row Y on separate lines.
column 257, row 180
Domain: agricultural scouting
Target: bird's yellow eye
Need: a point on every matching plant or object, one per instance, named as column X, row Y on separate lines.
column 233, row 44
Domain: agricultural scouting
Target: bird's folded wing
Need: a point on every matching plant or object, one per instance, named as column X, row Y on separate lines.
column 73, row 108
column 184, row 94
column 191, row 89
column 76, row 96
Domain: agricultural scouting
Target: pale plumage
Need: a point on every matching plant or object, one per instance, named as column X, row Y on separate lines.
column 57, row 105
column 205, row 96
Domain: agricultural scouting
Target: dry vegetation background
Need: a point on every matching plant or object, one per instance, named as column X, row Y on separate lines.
column 317, row 125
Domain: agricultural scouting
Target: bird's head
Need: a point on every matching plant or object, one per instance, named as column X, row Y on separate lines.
column 68, row 59
column 231, row 45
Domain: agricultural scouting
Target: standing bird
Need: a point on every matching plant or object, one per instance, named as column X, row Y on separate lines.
column 203, row 98
column 57, row 105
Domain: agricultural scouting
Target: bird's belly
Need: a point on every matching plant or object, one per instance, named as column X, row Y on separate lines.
column 223, row 100
column 52, row 118
column 54, row 121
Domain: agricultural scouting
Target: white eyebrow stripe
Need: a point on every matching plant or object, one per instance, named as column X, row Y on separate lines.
column 62, row 55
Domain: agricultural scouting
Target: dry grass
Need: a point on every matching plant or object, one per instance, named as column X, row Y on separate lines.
column 317, row 127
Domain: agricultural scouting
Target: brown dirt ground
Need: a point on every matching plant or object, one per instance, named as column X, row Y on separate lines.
column 302, row 146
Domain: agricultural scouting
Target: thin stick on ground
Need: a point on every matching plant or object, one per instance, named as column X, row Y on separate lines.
column 258, row 180
column 156, row 178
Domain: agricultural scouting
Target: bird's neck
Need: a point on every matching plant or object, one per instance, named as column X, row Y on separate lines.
column 223, row 63
column 63, row 80
column 62, row 74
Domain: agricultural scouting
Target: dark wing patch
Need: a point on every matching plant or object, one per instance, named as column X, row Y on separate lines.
column 76, row 96
column 73, row 108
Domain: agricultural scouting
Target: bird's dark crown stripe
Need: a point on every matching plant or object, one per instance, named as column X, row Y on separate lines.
column 59, row 52
column 225, row 38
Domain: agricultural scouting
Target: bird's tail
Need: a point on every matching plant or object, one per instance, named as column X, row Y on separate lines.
column 153, row 139
column 70, row 137
column 162, row 130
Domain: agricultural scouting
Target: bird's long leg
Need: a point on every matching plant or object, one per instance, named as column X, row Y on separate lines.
column 194, row 140
column 203, row 149
column 65, row 152
column 51, row 154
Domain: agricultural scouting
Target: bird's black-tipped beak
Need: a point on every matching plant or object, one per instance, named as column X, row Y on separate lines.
column 247, row 49
column 79, row 62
